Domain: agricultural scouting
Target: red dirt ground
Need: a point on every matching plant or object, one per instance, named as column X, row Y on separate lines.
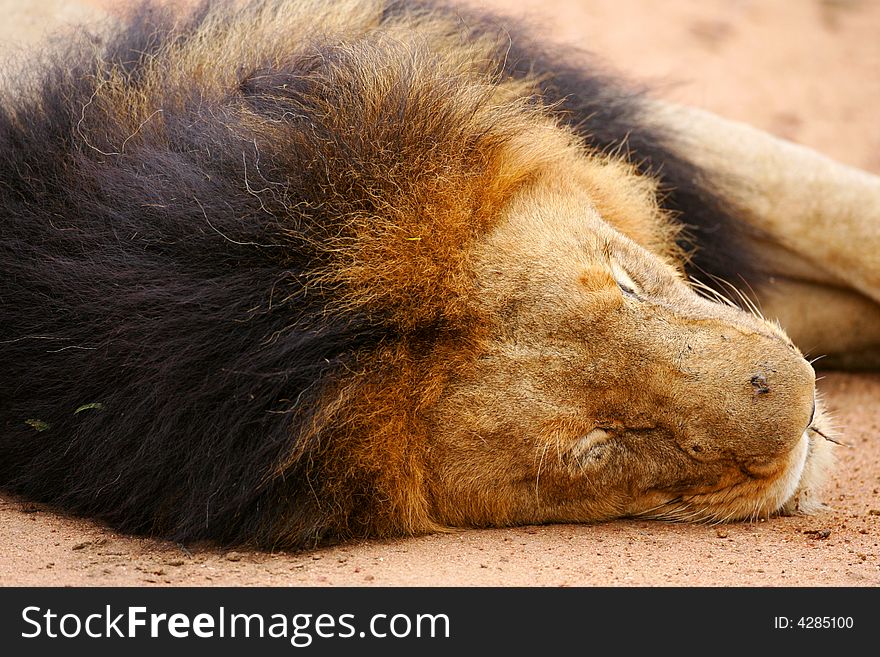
column 802, row 69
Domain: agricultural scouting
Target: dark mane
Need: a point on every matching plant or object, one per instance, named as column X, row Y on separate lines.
column 184, row 305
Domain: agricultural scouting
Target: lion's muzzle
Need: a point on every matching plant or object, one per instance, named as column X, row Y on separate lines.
column 752, row 396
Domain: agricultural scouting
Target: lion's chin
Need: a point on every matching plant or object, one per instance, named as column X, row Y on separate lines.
column 803, row 497
column 786, row 487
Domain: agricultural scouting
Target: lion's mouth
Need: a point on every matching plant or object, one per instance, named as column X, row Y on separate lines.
column 787, row 488
column 759, row 496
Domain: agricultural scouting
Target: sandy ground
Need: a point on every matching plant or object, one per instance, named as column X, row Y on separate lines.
column 803, row 69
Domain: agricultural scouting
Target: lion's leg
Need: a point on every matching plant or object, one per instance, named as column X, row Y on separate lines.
column 835, row 323
column 814, row 226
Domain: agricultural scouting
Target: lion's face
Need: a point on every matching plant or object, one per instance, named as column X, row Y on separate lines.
column 600, row 385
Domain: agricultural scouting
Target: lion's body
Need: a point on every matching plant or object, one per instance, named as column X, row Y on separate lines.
column 304, row 271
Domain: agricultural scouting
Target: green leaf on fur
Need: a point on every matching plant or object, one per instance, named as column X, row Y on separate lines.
column 97, row 406
column 39, row 425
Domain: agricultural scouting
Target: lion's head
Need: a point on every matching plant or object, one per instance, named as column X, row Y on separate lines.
column 600, row 384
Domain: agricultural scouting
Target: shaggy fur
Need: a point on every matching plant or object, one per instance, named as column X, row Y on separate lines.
column 237, row 248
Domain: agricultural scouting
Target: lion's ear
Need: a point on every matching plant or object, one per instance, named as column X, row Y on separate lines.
column 590, row 446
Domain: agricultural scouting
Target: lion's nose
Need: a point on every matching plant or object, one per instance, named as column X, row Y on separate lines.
column 784, row 391
column 750, row 394
column 759, row 383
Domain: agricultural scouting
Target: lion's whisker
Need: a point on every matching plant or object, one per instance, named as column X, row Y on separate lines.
column 755, row 299
column 645, row 512
column 538, row 475
column 830, row 440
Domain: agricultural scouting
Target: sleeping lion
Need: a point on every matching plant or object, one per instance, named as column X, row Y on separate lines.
column 290, row 272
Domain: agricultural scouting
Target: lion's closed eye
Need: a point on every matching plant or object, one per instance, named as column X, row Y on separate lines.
column 624, row 281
